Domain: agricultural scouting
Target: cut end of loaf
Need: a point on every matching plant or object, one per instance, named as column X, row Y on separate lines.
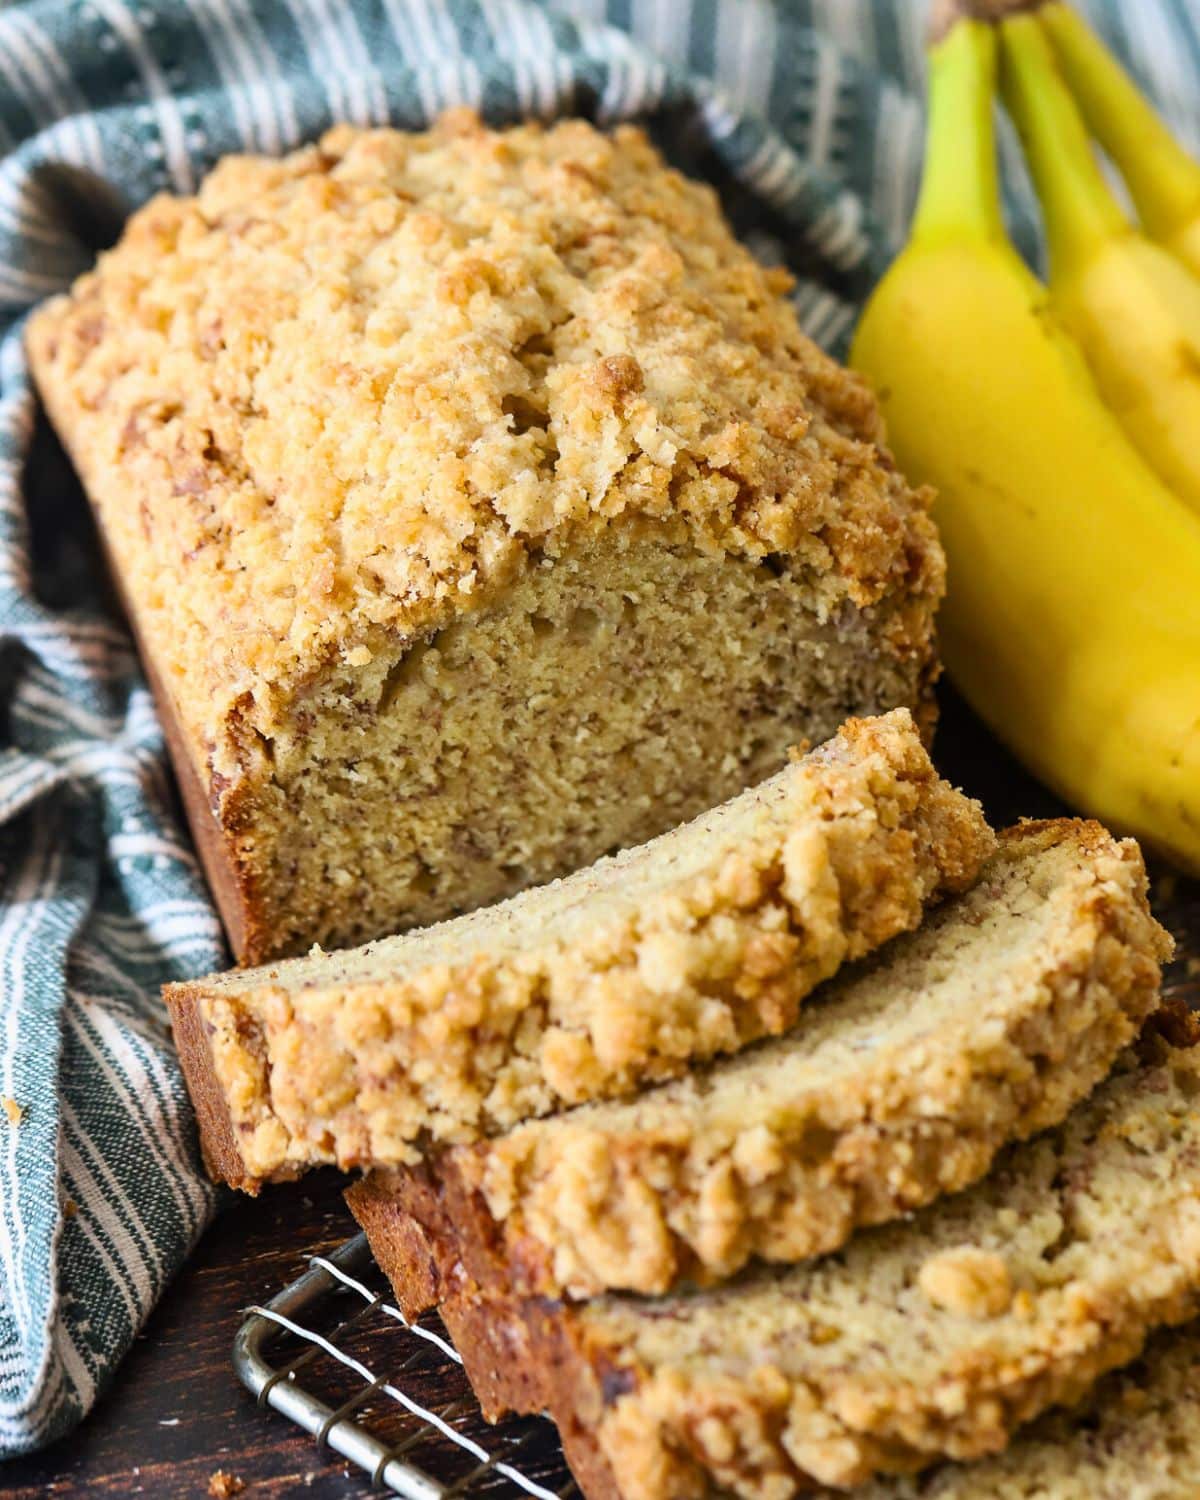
column 622, row 687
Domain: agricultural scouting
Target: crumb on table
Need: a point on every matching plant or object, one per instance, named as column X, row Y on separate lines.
column 222, row 1485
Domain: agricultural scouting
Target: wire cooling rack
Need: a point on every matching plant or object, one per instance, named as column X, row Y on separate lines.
column 334, row 1355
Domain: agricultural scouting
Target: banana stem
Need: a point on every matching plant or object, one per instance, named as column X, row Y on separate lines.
column 944, row 14
column 960, row 188
column 1079, row 208
column 1163, row 180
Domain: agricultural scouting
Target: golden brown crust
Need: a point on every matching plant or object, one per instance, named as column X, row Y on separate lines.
column 233, row 888
column 338, row 402
column 935, row 1339
column 697, row 943
column 218, row 1143
column 404, row 1212
column 1007, row 1007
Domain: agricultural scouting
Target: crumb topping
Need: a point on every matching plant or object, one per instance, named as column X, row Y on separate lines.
column 966, row 1280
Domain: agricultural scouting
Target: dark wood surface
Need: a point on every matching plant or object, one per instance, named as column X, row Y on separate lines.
column 176, row 1414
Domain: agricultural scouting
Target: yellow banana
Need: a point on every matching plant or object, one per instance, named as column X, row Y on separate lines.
column 1132, row 306
column 1163, row 179
column 1072, row 623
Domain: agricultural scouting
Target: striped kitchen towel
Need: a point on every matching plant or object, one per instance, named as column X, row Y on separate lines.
column 805, row 113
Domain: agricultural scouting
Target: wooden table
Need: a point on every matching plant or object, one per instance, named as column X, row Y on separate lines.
column 176, row 1414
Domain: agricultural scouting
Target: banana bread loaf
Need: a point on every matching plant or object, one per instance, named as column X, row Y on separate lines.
column 931, row 1339
column 480, row 508
column 900, row 1083
column 696, row 943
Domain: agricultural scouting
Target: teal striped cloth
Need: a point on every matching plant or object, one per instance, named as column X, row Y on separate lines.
column 806, row 113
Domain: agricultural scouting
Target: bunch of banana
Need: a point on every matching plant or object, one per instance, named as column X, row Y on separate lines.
column 1072, row 622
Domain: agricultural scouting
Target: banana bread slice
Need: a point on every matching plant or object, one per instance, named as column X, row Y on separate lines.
column 1137, row 1437
column 697, row 943
column 988, row 1024
column 481, row 509
column 936, row 1338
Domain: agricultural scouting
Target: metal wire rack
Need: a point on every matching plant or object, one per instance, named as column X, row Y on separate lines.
column 335, row 1356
